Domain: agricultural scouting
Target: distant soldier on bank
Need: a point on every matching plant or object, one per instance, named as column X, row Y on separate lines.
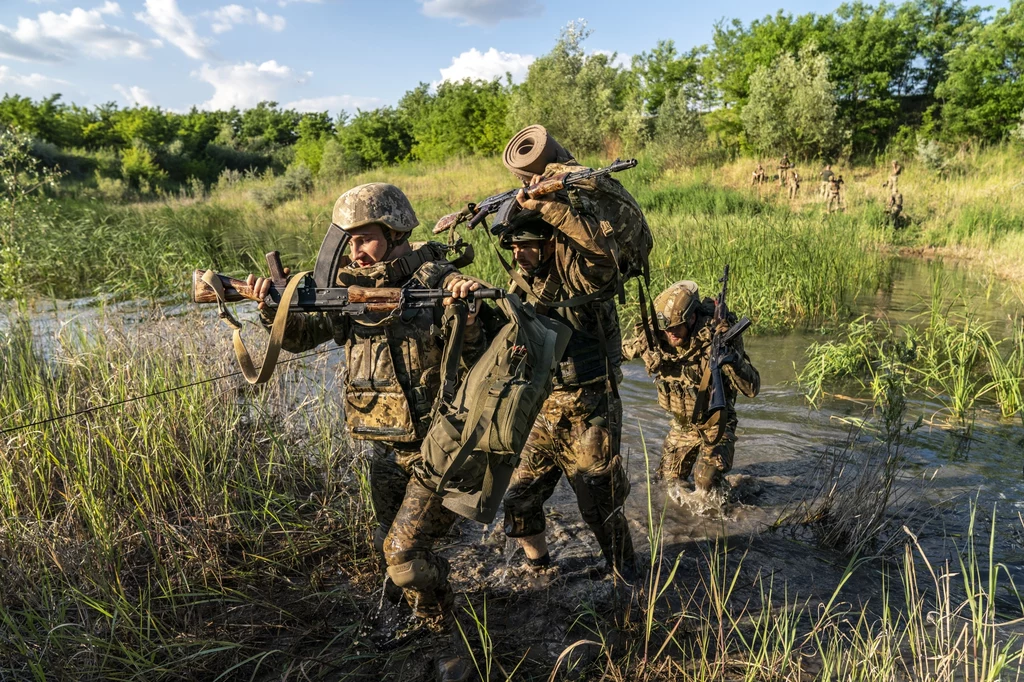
column 835, row 198
column 784, row 166
column 679, row 364
column 826, row 178
column 894, row 177
column 793, row 183
column 894, row 209
column 758, row 177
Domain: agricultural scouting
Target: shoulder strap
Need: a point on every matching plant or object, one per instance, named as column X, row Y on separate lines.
column 277, row 330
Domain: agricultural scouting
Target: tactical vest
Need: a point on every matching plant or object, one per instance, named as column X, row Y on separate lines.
column 394, row 367
column 679, row 370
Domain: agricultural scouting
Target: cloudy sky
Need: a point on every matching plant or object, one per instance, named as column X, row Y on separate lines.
column 316, row 54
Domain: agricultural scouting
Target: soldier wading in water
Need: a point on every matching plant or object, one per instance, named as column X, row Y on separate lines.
column 678, row 365
column 564, row 256
column 392, row 380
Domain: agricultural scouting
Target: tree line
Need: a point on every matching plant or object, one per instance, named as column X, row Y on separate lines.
column 861, row 81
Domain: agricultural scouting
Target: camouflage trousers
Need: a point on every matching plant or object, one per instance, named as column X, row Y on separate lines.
column 684, row 453
column 575, row 434
column 410, row 521
column 835, row 203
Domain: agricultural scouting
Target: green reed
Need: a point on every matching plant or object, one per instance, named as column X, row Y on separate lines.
column 173, row 536
column 953, row 357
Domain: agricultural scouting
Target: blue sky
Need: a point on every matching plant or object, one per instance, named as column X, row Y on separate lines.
column 316, row 54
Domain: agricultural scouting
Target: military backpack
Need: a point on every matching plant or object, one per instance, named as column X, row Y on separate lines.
column 481, row 422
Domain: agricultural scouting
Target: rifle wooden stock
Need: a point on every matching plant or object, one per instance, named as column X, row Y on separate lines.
column 547, row 186
column 234, row 289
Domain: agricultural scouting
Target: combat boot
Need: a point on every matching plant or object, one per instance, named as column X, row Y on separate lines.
column 455, row 663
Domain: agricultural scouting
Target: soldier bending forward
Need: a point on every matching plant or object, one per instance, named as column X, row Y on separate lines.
column 677, row 365
column 390, row 387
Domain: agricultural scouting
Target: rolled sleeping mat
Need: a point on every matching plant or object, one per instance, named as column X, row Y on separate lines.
column 530, row 151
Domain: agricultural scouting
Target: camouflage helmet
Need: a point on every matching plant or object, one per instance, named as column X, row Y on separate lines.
column 376, row 202
column 675, row 304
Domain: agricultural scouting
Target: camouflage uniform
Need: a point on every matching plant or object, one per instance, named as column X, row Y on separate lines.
column 578, row 430
column 758, row 176
column 894, row 177
column 794, row 184
column 784, row 166
column 677, row 373
column 392, row 378
column 835, row 200
column 894, row 209
column 826, row 178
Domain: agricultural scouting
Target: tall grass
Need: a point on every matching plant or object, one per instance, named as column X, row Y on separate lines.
column 952, row 356
column 180, row 536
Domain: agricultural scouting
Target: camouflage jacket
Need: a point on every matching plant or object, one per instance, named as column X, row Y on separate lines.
column 678, row 372
column 585, row 262
column 394, row 369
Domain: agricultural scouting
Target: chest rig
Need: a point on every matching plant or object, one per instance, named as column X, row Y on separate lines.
column 393, row 362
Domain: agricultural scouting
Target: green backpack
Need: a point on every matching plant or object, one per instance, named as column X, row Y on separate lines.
column 480, row 425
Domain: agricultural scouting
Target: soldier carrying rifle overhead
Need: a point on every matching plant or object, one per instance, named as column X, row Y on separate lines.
column 565, row 249
column 390, row 388
column 682, row 362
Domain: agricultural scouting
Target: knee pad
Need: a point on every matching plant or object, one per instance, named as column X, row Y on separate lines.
column 418, row 574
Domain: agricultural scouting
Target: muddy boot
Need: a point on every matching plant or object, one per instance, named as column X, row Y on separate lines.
column 455, row 662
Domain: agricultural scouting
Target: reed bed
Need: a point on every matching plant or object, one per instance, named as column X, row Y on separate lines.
column 222, row 532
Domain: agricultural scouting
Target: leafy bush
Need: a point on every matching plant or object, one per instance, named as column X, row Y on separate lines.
column 335, row 163
column 792, row 106
column 296, row 181
column 139, row 167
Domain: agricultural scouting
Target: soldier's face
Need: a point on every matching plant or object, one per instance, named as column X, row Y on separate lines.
column 676, row 336
column 367, row 245
column 530, row 255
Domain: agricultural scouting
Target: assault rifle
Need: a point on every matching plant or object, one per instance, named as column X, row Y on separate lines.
column 308, row 297
column 708, row 419
column 477, row 213
column 302, row 294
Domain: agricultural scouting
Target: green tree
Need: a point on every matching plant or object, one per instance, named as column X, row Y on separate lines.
column 792, row 106
column 377, row 138
column 663, row 72
column 139, row 167
column 314, row 131
column 582, row 99
column 462, row 119
column 983, row 93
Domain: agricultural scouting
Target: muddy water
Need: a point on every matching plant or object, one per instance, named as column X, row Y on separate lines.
column 781, row 439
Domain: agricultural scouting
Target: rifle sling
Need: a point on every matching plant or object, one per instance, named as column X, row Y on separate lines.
column 249, row 371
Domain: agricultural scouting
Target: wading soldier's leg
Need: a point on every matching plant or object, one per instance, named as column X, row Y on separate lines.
column 420, row 523
column 714, row 462
column 594, row 468
column 389, row 476
column 533, row 482
column 679, row 452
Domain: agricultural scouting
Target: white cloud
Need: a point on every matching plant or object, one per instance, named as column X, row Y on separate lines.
column 55, row 37
column 334, row 103
column 225, row 18
column 617, row 59
column 135, row 95
column 167, row 20
column 480, row 12
column 33, row 81
column 487, row 66
column 245, row 85
column 285, row 3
